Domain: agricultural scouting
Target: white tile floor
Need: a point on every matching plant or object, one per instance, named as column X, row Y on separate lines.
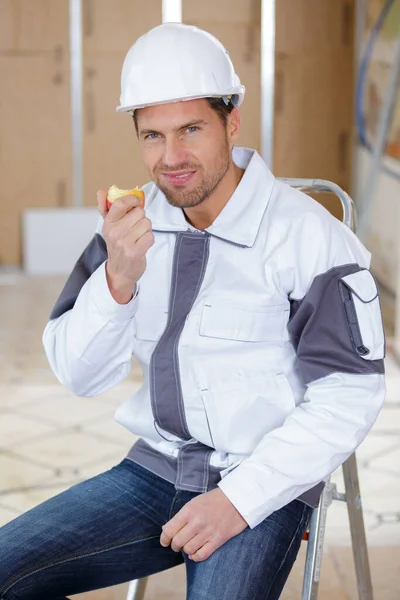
column 50, row 439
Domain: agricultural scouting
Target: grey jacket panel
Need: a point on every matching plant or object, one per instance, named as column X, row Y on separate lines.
column 322, row 330
column 190, row 262
column 311, row 497
column 193, row 473
column 90, row 260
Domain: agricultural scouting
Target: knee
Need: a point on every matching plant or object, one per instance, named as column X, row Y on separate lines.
column 17, row 585
column 15, row 559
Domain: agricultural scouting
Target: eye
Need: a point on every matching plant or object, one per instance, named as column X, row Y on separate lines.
column 151, row 136
column 192, row 129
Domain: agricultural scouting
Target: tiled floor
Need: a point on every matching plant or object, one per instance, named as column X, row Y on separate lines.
column 50, row 439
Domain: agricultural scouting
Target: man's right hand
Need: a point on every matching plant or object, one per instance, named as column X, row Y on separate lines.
column 128, row 235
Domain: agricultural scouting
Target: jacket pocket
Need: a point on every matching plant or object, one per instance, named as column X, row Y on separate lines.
column 243, row 405
column 363, row 313
column 228, row 321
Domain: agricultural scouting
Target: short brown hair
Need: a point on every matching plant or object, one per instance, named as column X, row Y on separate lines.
column 219, row 105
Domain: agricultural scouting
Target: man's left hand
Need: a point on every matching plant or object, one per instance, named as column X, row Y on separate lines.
column 203, row 525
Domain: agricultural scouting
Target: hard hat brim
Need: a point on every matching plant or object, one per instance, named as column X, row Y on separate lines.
column 239, row 92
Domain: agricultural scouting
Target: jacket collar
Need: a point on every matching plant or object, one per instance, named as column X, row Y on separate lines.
column 240, row 219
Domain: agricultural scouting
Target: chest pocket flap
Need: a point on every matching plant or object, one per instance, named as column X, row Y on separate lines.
column 260, row 324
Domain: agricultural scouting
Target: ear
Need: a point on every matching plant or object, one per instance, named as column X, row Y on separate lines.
column 135, row 121
column 234, row 126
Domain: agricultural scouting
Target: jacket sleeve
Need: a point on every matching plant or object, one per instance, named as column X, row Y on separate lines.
column 89, row 337
column 336, row 330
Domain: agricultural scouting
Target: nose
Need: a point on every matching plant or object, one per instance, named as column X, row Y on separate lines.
column 175, row 153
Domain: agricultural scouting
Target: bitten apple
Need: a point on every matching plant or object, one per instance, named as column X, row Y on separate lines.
column 115, row 192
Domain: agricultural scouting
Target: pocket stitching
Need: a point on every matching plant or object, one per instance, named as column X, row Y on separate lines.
column 355, row 292
column 343, row 285
column 356, row 324
column 212, row 415
column 70, row 557
column 268, row 317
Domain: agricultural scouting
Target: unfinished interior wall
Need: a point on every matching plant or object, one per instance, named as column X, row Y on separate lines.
column 236, row 23
column 35, row 152
column 314, row 81
column 314, row 91
column 111, row 153
column 313, row 94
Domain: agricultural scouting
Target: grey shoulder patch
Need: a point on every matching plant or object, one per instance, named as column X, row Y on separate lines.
column 322, row 333
column 90, row 260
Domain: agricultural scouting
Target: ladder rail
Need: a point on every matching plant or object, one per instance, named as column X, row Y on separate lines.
column 323, row 185
column 316, row 536
column 357, row 529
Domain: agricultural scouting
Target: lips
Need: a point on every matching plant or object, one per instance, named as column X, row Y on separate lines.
column 178, row 177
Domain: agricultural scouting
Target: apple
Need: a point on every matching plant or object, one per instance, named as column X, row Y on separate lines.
column 115, row 192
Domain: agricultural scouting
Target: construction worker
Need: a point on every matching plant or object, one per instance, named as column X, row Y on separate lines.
column 256, row 321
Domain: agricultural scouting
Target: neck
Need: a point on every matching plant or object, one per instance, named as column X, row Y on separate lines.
column 203, row 215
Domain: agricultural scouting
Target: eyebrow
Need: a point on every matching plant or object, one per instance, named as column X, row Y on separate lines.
column 180, row 128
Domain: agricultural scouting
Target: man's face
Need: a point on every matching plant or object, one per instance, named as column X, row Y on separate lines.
column 186, row 149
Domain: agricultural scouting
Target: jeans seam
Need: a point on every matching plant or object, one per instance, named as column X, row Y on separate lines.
column 68, row 558
column 287, row 551
column 174, row 501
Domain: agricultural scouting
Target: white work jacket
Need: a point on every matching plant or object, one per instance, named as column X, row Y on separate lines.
column 260, row 340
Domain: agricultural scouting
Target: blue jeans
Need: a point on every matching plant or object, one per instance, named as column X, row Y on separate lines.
column 106, row 531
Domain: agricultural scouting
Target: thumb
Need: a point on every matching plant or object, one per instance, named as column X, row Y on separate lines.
column 102, row 202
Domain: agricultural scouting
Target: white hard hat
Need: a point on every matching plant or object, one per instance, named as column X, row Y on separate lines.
column 175, row 62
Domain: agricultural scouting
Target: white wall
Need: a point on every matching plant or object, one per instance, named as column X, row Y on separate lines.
column 53, row 239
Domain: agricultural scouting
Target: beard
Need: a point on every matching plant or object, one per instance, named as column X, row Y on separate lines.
column 182, row 198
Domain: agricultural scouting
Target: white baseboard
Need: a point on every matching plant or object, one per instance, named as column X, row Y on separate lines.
column 54, row 238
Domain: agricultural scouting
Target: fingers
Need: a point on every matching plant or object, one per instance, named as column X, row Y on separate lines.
column 133, row 225
column 183, row 538
column 198, row 547
column 130, row 221
column 193, row 545
column 102, row 202
column 171, row 528
column 203, row 553
column 130, row 236
column 130, row 250
column 145, row 243
column 122, row 206
column 166, row 536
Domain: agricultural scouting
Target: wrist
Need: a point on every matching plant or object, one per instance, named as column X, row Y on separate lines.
column 121, row 289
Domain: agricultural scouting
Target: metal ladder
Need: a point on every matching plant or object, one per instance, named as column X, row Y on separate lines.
column 352, row 495
column 316, row 534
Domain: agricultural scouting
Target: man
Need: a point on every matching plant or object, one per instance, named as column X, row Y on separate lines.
column 257, row 324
